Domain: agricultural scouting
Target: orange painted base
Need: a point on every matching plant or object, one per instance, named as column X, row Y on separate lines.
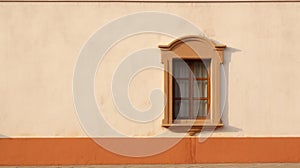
column 83, row 151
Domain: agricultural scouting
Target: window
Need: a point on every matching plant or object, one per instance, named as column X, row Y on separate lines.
column 191, row 89
column 192, row 82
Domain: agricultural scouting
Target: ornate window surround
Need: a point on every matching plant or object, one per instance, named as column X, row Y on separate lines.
column 193, row 48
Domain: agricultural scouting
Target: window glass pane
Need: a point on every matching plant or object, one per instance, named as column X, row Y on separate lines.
column 181, row 88
column 180, row 69
column 200, row 88
column 200, row 108
column 181, row 109
column 200, row 70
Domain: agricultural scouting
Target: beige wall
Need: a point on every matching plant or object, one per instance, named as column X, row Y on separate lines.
column 40, row 44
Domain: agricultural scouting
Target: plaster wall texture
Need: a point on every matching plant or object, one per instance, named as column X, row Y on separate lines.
column 40, row 43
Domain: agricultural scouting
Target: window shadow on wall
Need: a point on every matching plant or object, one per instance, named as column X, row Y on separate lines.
column 228, row 52
column 3, row 136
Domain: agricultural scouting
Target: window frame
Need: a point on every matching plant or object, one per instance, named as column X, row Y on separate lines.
column 192, row 48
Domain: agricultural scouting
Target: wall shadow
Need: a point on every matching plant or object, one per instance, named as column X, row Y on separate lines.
column 3, row 136
column 228, row 52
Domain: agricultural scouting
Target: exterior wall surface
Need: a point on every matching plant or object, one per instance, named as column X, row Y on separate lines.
column 40, row 43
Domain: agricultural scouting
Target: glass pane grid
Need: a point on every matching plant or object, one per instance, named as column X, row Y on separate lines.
column 191, row 91
column 200, row 109
column 182, row 88
column 200, row 88
column 181, row 109
column 200, row 69
column 181, row 69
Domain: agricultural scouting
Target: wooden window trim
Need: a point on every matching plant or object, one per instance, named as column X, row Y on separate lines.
column 193, row 47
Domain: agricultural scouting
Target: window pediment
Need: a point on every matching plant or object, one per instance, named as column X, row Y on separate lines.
column 194, row 46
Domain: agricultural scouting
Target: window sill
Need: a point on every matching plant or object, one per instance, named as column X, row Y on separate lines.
column 193, row 125
column 191, row 128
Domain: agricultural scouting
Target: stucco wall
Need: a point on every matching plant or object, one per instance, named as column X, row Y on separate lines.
column 40, row 44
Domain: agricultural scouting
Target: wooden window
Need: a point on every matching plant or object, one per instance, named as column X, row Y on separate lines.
column 192, row 82
column 191, row 89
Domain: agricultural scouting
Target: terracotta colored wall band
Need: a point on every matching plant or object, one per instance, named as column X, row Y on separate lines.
column 82, row 151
